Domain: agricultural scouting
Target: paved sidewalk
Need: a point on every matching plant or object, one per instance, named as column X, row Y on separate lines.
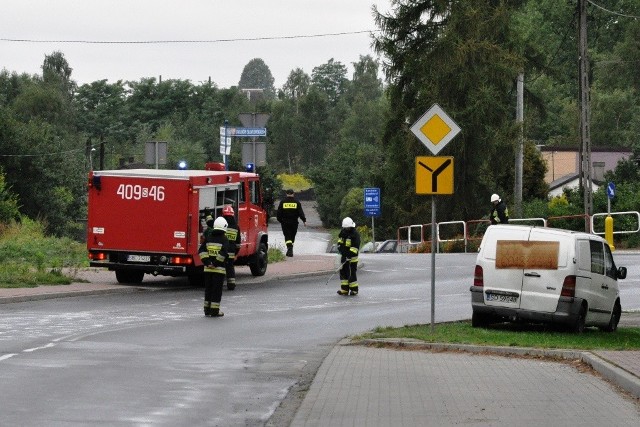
column 368, row 386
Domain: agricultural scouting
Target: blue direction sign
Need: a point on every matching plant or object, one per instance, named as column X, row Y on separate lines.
column 611, row 190
column 250, row 132
column 241, row 132
column 372, row 203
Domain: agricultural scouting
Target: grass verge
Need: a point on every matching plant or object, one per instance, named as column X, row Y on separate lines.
column 28, row 258
column 514, row 335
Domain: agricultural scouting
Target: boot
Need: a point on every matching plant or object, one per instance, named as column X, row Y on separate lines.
column 215, row 312
column 207, row 308
column 231, row 284
column 344, row 288
column 290, row 251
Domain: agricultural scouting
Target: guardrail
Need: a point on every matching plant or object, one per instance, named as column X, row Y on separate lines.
column 472, row 231
column 634, row 213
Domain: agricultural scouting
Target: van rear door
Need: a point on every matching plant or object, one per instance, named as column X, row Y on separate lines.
column 502, row 271
column 545, row 269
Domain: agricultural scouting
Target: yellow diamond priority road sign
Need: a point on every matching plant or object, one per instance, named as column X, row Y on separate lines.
column 435, row 129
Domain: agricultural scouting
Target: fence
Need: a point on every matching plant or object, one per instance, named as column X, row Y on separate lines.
column 468, row 234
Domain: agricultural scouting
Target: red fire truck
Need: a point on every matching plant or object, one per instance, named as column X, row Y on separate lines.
column 150, row 220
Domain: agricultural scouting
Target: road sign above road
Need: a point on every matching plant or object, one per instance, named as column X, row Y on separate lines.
column 435, row 129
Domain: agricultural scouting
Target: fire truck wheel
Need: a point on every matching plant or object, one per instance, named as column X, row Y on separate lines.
column 129, row 276
column 259, row 266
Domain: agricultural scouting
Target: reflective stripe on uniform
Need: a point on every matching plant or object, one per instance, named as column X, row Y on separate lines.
column 212, row 269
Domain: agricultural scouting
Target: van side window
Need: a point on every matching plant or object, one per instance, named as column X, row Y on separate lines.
column 610, row 266
column 597, row 257
column 584, row 255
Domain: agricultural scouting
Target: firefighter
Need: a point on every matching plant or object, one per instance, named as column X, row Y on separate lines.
column 348, row 246
column 233, row 235
column 214, row 254
column 289, row 210
column 499, row 211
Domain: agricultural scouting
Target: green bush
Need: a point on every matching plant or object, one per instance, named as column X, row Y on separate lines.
column 296, row 182
column 29, row 258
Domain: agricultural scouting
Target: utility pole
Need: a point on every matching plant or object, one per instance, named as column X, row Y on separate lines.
column 585, row 114
column 517, row 194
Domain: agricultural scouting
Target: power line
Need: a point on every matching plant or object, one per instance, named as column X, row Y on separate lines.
column 300, row 36
column 43, row 154
column 612, row 12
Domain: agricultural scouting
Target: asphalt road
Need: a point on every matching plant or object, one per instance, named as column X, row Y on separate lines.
column 152, row 358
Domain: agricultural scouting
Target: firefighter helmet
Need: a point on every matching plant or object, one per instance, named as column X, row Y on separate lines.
column 495, row 198
column 348, row 223
column 209, row 220
column 227, row 210
column 220, row 223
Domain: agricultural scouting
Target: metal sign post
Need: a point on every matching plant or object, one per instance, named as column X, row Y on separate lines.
column 434, row 175
column 433, row 262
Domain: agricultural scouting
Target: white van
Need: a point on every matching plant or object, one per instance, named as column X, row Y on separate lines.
column 545, row 275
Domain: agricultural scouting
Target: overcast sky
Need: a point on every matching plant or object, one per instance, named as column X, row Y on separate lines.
column 202, row 20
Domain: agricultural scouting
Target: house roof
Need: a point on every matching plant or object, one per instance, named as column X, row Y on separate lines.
column 593, row 149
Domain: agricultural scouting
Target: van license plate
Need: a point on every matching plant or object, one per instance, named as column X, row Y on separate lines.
column 501, row 298
column 139, row 258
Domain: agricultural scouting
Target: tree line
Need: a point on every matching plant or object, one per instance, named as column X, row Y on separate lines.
column 344, row 132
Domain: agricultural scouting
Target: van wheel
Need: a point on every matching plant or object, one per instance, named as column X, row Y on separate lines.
column 578, row 326
column 129, row 276
column 615, row 318
column 480, row 320
column 259, row 266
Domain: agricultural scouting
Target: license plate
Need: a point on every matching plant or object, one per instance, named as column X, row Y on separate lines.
column 502, row 298
column 138, row 258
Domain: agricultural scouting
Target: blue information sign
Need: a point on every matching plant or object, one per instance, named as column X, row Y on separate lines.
column 372, row 203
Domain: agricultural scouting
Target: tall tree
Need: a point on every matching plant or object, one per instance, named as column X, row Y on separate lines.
column 56, row 71
column 101, row 115
column 465, row 57
column 366, row 83
column 330, row 79
column 257, row 75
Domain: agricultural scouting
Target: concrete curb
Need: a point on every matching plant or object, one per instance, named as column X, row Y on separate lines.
column 63, row 294
column 613, row 373
column 623, row 379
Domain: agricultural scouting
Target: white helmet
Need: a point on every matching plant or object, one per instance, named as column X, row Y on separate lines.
column 348, row 223
column 495, row 198
column 220, row 223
